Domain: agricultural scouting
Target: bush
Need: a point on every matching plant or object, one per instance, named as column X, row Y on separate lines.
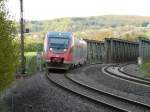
column 8, row 49
column 31, row 65
column 33, row 46
column 34, row 63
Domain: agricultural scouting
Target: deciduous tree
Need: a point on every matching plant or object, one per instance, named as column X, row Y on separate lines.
column 8, row 51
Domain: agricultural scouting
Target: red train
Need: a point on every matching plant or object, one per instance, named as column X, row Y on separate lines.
column 62, row 50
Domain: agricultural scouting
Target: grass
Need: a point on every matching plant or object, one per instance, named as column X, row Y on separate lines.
column 30, row 54
column 145, row 67
column 31, row 64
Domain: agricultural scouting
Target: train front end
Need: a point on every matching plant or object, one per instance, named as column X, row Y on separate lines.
column 57, row 50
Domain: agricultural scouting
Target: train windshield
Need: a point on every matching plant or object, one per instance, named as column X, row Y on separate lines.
column 58, row 43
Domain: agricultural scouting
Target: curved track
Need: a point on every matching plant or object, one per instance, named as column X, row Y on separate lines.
column 82, row 91
column 98, row 96
column 121, row 69
column 116, row 71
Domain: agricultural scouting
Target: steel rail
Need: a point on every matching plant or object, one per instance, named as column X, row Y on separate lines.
column 120, row 69
column 84, row 95
column 110, row 94
column 130, row 77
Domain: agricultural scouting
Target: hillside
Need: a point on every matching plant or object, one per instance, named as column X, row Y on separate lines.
column 86, row 23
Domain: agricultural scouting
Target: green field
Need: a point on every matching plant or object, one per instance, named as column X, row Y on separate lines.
column 145, row 67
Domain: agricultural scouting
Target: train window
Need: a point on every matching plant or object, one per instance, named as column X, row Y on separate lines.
column 58, row 42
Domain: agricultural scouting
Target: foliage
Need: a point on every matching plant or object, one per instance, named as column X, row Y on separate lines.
column 145, row 23
column 82, row 24
column 8, row 49
column 134, row 36
column 44, row 26
column 30, row 54
column 95, row 34
column 31, row 64
column 33, row 46
column 145, row 67
column 4, row 107
column 96, row 28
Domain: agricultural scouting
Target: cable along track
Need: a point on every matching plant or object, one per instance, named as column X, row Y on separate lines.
column 95, row 95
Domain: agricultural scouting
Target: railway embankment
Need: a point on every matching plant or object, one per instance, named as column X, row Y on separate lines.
column 37, row 94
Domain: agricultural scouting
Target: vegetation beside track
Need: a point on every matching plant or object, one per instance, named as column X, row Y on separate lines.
column 33, row 45
column 8, row 48
column 4, row 107
column 145, row 67
column 33, row 63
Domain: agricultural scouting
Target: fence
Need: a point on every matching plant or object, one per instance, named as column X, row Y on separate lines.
column 95, row 51
column 118, row 50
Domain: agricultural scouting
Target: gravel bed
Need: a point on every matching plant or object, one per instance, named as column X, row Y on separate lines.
column 134, row 69
column 38, row 95
column 93, row 75
column 63, row 81
column 90, row 82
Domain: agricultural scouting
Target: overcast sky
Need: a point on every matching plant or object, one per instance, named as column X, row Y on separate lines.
column 51, row 9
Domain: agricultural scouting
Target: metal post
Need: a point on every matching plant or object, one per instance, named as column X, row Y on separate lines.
column 22, row 38
column 106, row 51
column 112, row 51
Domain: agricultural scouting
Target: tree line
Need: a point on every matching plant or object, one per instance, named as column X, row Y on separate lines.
column 86, row 23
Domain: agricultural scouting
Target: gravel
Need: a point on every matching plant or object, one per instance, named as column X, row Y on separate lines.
column 94, row 76
column 37, row 94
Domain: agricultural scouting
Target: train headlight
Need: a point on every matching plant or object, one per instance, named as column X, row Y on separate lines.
column 65, row 50
column 50, row 49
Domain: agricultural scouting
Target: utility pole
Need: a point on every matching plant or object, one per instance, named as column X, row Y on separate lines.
column 22, row 38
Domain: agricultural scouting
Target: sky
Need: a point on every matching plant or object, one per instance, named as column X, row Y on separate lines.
column 51, row 9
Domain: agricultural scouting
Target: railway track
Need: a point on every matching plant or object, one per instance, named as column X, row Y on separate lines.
column 121, row 69
column 110, row 100
column 117, row 71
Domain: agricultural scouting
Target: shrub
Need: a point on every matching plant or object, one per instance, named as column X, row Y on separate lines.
column 8, row 49
column 33, row 46
column 31, row 64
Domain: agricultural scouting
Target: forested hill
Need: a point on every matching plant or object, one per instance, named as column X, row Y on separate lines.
column 86, row 23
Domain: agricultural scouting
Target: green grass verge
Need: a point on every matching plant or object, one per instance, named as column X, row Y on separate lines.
column 145, row 67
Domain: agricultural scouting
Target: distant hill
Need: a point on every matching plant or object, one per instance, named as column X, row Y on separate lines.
column 85, row 23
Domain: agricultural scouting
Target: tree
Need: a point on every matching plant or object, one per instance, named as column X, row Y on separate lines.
column 145, row 23
column 8, row 49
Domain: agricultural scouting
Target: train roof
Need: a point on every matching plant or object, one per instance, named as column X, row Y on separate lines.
column 60, row 34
